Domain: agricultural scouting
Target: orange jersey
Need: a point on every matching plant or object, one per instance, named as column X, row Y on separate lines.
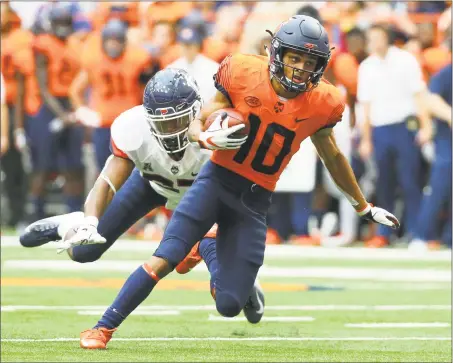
column 115, row 82
column 346, row 72
column 25, row 64
column 277, row 126
column 12, row 43
column 63, row 61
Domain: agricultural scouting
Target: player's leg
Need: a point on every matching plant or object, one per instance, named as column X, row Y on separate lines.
column 132, row 202
column 240, row 252
column 101, row 141
column 409, row 176
column 385, row 186
column 70, row 150
column 440, row 191
column 192, row 218
column 43, row 157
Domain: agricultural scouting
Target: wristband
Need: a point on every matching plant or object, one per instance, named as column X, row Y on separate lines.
column 364, row 211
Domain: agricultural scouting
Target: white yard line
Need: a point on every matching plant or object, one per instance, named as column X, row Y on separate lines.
column 284, row 251
column 135, row 313
column 279, row 319
column 160, row 308
column 342, row 273
column 224, row 339
column 397, row 325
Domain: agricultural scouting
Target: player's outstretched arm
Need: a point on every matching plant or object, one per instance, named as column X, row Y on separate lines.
column 342, row 174
column 112, row 177
column 214, row 139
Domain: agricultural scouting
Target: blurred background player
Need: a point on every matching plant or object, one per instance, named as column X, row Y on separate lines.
column 438, row 195
column 13, row 39
column 196, row 64
column 115, row 72
column 4, row 121
column 396, row 123
column 55, row 139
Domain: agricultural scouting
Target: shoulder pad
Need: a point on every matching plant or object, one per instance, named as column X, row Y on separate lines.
column 128, row 129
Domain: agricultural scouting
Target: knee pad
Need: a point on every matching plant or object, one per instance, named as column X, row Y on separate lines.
column 227, row 305
column 83, row 254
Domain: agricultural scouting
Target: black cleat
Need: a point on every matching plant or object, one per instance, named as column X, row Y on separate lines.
column 254, row 307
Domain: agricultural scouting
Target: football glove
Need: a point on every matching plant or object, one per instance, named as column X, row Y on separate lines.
column 86, row 234
column 379, row 215
column 218, row 135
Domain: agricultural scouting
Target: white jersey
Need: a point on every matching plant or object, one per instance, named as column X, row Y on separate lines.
column 169, row 178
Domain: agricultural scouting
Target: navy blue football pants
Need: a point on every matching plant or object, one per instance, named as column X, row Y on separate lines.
column 132, row 201
column 239, row 207
column 398, row 162
column 439, row 194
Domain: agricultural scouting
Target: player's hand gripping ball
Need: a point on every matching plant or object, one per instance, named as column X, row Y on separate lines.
column 225, row 129
column 232, row 118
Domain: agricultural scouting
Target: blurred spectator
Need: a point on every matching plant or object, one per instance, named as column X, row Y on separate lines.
column 114, row 70
column 55, row 141
column 168, row 11
column 126, row 11
column 162, row 43
column 4, row 141
column 13, row 40
column 391, row 89
column 227, row 32
column 199, row 66
column 438, row 194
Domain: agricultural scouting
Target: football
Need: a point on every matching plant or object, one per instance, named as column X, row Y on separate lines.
column 234, row 118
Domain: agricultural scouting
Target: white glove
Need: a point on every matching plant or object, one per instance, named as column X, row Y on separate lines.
column 88, row 117
column 217, row 136
column 379, row 215
column 86, row 234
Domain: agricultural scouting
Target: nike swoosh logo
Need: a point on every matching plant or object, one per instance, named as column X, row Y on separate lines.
column 301, row 119
column 193, row 174
column 208, row 140
column 260, row 303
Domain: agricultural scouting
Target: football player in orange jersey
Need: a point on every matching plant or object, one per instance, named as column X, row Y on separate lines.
column 117, row 72
column 55, row 139
column 285, row 101
column 13, row 39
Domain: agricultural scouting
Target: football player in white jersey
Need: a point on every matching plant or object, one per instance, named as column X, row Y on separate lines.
column 152, row 165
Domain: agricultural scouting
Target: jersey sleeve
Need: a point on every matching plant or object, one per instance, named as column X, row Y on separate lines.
column 224, row 76
column 115, row 150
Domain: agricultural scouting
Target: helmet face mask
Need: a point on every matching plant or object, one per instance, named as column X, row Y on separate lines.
column 304, row 36
column 170, row 128
column 61, row 22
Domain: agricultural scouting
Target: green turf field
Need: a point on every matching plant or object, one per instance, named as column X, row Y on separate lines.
column 319, row 307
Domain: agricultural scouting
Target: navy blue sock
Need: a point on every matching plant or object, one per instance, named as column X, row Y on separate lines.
column 38, row 207
column 209, row 254
column 134, row 291
column 74, row 203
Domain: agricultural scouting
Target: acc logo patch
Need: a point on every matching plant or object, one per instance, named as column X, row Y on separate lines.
column 252, row 101
column 175, row 169
column 279, row 107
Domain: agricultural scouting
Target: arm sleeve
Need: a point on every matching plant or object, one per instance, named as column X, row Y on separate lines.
column 223, row 78
column 336, row 115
